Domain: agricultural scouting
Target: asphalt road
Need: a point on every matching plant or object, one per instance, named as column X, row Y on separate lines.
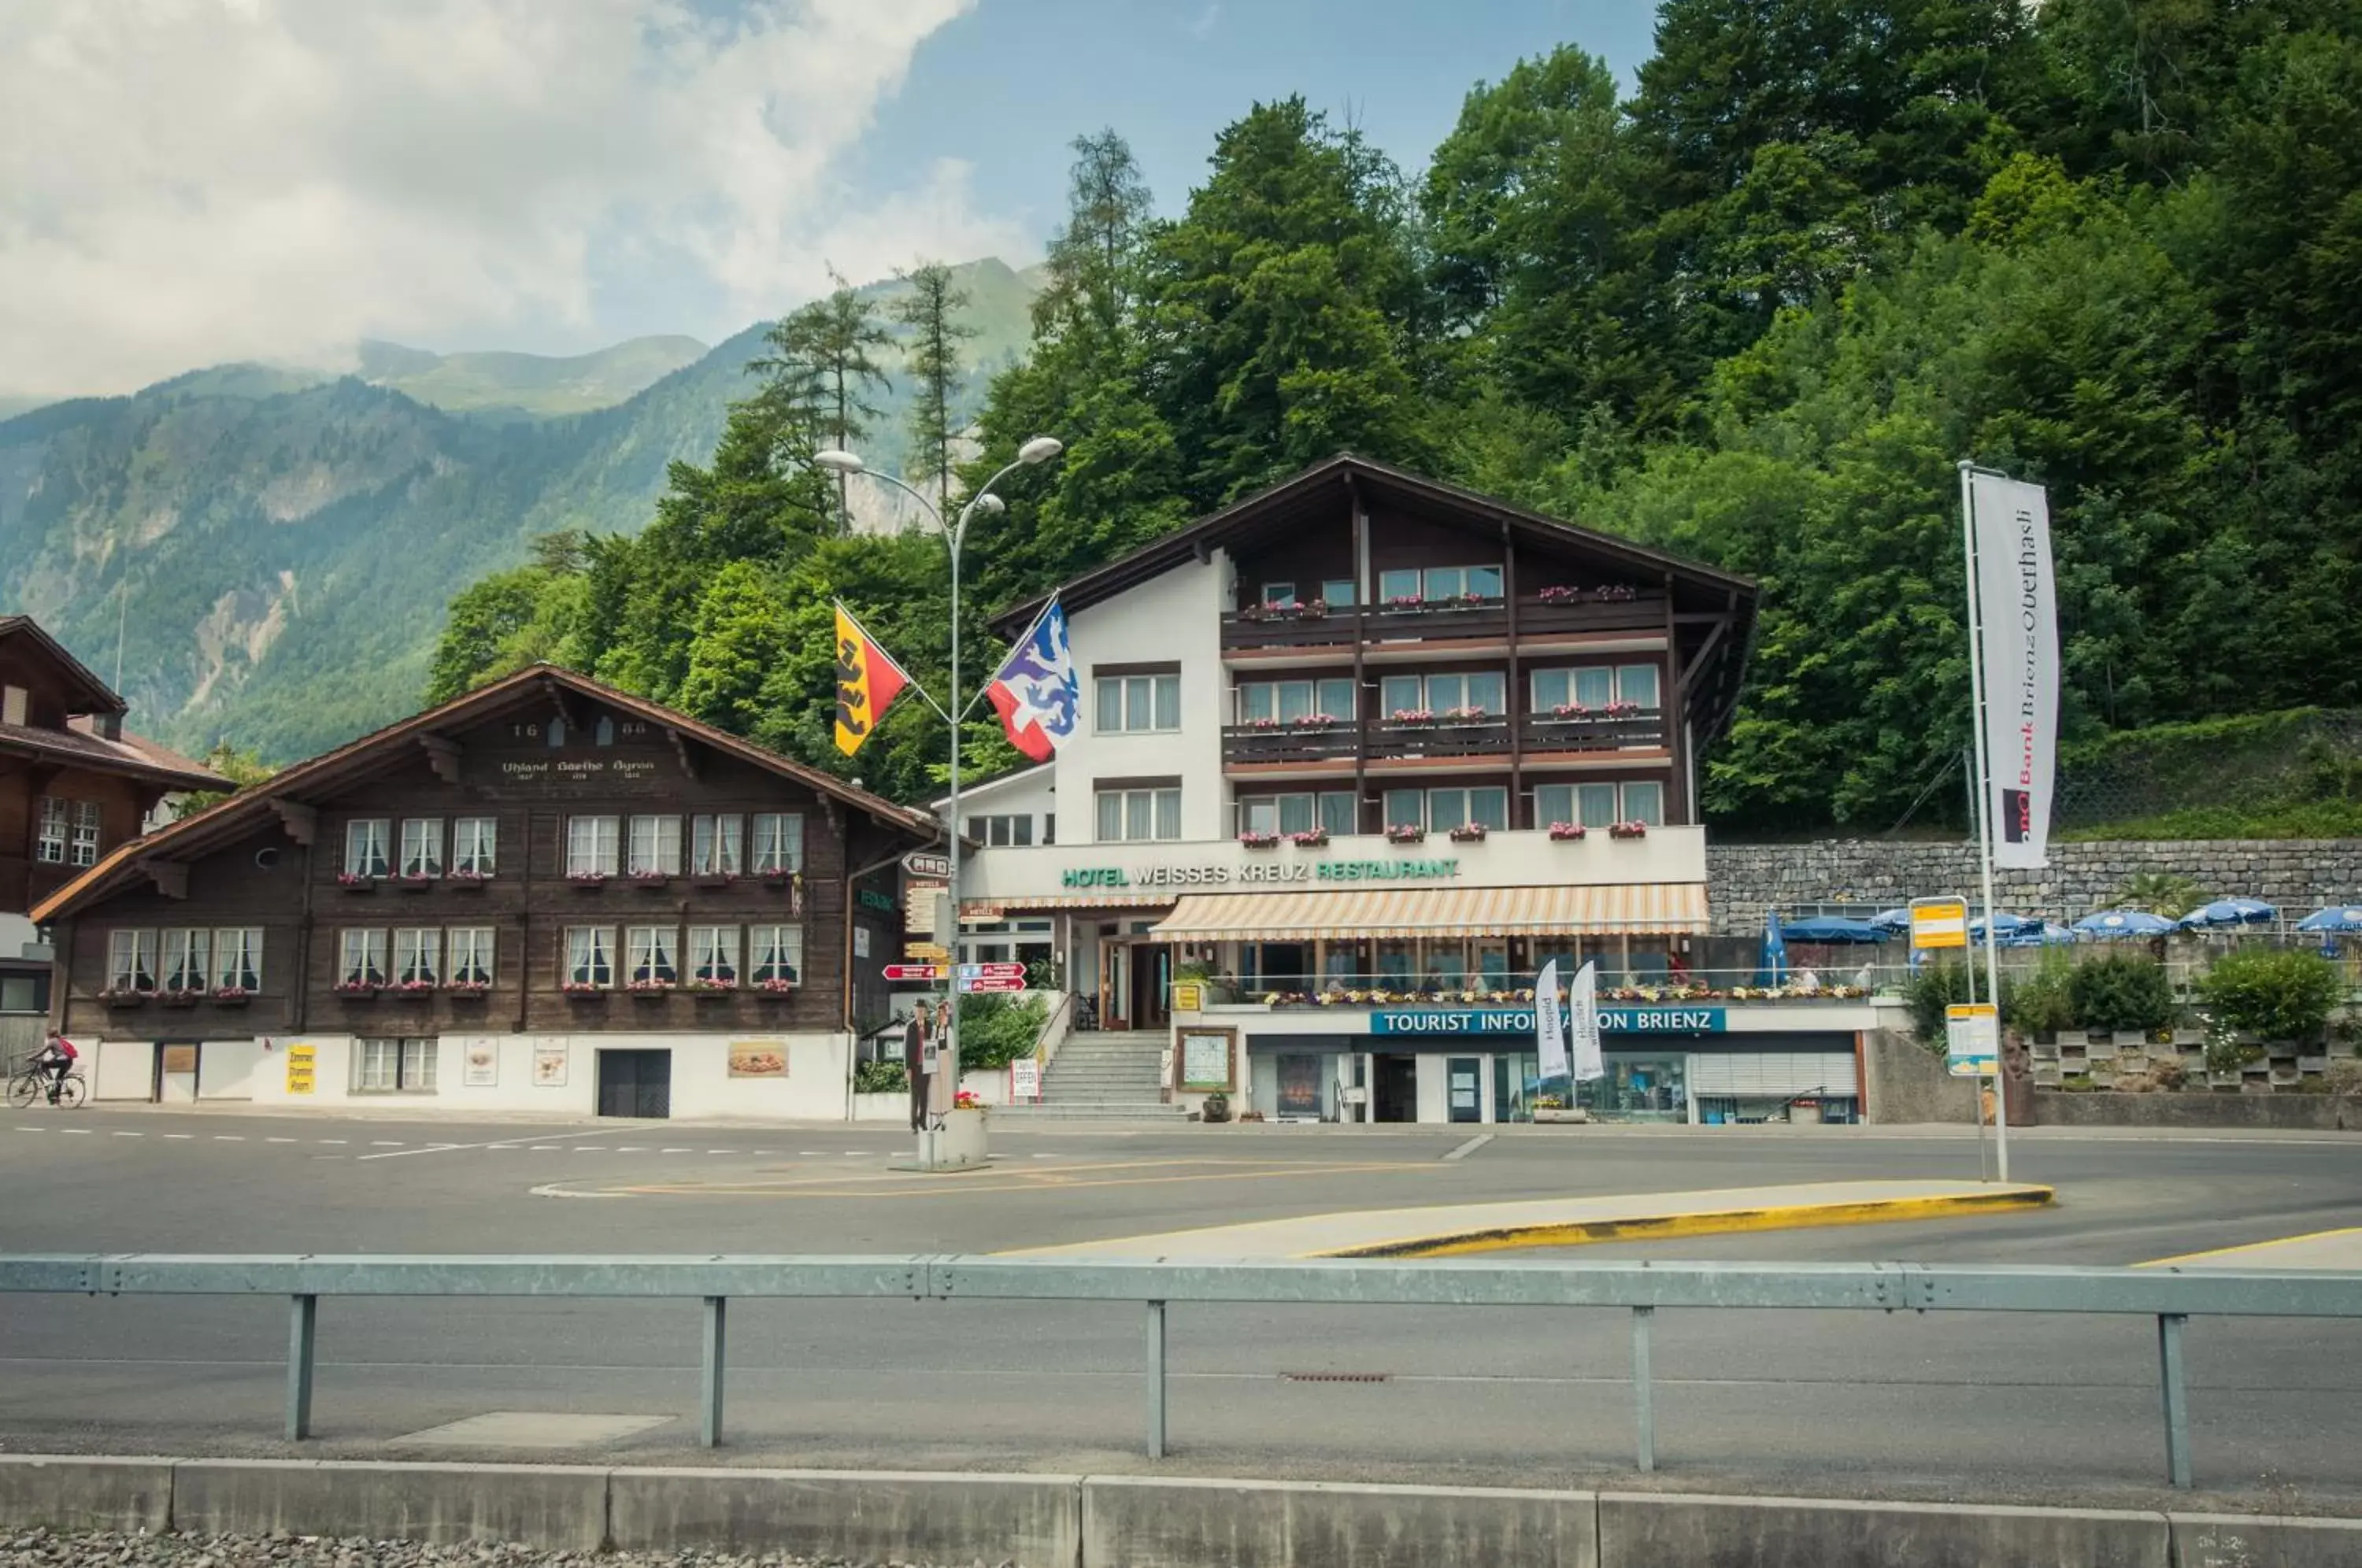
column 2051, row 1409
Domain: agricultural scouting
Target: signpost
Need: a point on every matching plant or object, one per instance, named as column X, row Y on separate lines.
column 973, row 985
column 1003, row 971
column 914, row 971
column 926, row 865
column 1972, row 1039
column 1025, row 1078
column 927, row 952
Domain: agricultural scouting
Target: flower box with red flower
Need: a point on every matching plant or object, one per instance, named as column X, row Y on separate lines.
column 590, row 882
column 1311, row 838
column 1569, row 713
column 1558, row 594
column 232, row 996
column 125, row 998
column 1465, row 716
column 1615, row 593
column 711, row 986
column 1404, row 601
column 1628, row 830
column 1468, row 833
column 356, row 881
column 712, row 879
column 1264, row 722
column 581, row 990
column 774, row 987
column 1566, row 833
column 651, row 880
column 356, row 990
column 1314, row 722
column 1406, row 833
column 180, row 995
column 466, row 878
column 1257, row 840
column 644, row 989
column 1312, row 610
column 469, row 990
column 968, row 1099
column 1464, row 601
column 413, row 990
column 1411, row 716
column 414, row 881
column 1255, row 613
column 1619, row 709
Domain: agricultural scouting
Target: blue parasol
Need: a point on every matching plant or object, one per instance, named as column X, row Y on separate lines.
column 2005, row 926
column 1775, row 953
column 2123, row 925
column 1894, row 920
column 2035, row 934
column 2224, row 913
column 2339, row 920
column 1832, row 930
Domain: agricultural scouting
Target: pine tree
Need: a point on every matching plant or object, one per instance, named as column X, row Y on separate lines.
column 825, row 350
column 930, row 310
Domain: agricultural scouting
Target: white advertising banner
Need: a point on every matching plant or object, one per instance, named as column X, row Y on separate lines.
column 2018, row 608
column 1549, row 1029
column 1582, row 1024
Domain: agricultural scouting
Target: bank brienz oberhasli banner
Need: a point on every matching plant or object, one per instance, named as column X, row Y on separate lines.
column 2018, row 607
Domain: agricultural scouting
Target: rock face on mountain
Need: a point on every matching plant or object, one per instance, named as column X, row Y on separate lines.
column 271, row 550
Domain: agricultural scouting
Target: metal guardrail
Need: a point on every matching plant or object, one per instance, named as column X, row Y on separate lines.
column 2172, row 1298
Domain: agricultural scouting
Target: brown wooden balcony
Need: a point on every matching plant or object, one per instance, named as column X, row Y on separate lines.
column 1542, row 734
column 1257, row 745
column 1484, row 621
column 1385, row 740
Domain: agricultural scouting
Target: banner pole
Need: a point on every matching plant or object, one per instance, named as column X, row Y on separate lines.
column 1984, row 826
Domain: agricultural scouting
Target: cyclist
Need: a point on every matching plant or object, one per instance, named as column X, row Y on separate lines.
column 56, row 1058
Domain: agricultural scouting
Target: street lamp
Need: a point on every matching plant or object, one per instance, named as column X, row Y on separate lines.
column 1039, row 449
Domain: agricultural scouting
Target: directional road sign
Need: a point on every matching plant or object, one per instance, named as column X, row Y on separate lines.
column 914, row 971
column 992, row 971
column 1015, row 984
column 927, row 865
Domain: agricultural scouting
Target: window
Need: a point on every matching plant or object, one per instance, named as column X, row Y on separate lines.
column 1331, row 812
column 365, row 847
column 56, row 827
column 1014, row 829
column 417, row 956
column 778, row 844
column 1636, row 684
column 422, row 846
column 1440, row 811
column 1440, row 583
column 717, row 846
column 393, row 1067
column 590, row 846
column 778, row 954
column 238, row 958
column 1593, row 687
column 590, row 957
column 1279, row 596
column 1397, row 585
column 656, row 846
column 1598, row 805
column 475, row 845
column 1483, row 689
column 1337, row 814
column 1138, row 816
column 188, row 960
column 472, row 949
column 1337, row 592
column 713, row 954
column 131, row 961
column 1289, row 700
column 85, row 834
column 361, row 957
column 655, row 955
column 1133, row 704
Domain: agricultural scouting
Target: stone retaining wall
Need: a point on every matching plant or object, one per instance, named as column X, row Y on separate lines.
column 1745, row 880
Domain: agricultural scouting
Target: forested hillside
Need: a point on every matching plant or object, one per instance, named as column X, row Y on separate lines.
column 277, row 547
column 1755, row 311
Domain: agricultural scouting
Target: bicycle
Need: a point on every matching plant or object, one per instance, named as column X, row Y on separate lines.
column 34, row 1083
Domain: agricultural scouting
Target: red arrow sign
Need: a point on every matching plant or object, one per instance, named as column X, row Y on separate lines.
column 1010, row 983
column 992, row 971
column 914, row 971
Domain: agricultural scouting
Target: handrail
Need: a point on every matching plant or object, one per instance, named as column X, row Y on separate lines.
column 1045, row 1049
column 2170, row 1296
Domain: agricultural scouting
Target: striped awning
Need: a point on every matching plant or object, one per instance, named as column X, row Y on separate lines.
column 1644, row 907
column 992, row 909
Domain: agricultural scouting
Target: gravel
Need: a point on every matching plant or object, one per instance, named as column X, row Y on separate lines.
column 41, row 1548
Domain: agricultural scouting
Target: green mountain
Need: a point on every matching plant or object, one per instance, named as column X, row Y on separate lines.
column 526, row 386
column 275, row 550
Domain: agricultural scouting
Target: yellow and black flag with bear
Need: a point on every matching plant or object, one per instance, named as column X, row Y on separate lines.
column 867, row 681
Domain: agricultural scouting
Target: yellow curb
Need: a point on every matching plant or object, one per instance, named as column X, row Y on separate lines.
column 1661, row 1227
column 2249, row 1247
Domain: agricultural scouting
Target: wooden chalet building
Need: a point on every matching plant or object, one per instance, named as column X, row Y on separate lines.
column 544, row 894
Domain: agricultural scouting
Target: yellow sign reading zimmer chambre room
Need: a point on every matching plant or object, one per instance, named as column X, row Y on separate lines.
column 301, row 1063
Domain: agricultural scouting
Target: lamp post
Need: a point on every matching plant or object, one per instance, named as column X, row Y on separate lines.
column 1040, row 449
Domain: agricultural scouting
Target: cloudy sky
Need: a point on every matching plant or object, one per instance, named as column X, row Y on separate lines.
column 187, row 181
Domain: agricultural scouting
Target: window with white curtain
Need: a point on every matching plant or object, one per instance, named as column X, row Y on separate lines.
column 590, row 955
column 475, row 845
column 592, row 846
column 422, row 846
column 655, row 955
column 778, row 954
column 187, row 959
column 778, row 843
column 716, row 844
column 417, row 956
column 472, row 948
column 131, row 961
column 1138, row 816
column 393, row 1067
column 365, row 840
column 238, row 958
column 713, row 954
column 656, row 846
column 362, row 956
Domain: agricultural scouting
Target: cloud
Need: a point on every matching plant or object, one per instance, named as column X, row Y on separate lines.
column 184, row 181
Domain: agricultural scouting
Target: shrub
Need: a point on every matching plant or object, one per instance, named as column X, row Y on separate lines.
column 995, row 1032
column 2280, row 993
column 2042, row 1004
column 2121, row 992
column 880, row 1078
column 1937, row 986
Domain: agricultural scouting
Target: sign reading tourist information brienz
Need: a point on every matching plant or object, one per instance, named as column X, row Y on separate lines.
column 1520, row 1020
column 1259, row 872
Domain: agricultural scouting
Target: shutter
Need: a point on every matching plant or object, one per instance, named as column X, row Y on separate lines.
column 1756, row 1073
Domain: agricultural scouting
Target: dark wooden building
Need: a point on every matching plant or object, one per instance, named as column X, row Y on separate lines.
column 541, row 893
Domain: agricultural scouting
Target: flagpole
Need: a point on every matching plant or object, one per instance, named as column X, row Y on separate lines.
column 1984, row 823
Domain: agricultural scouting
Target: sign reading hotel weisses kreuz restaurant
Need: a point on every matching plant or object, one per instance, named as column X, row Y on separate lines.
column 1215, row 873
column 1520, row 1020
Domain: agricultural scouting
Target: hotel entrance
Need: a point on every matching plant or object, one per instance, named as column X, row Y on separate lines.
column 1135, row 984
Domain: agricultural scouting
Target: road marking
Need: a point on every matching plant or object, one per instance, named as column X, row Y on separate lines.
column 132, row 1135
column 229, row 1138
column 1468, row 1148
column 677, row 1151
column 891, row 1185
column 801, row 1154
column 75, row 1132
column 32, row 1129
column 402, row 1152
column 632, row 1149
column 721, row 1150
column 545, row 1149
column 331, row 1139
column 385, row 1144
column 178, row 1137
column 278, row 1140
column 2276, row 1243
column 590, row 1148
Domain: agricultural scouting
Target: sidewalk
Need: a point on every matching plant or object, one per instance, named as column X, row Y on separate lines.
column 1455, row 1229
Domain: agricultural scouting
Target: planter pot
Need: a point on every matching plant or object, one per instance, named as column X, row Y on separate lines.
column 360, row 887
column 960, row 1143
column 414, row 884
column 1571, row 1116
column 469, row 996
column 369, row 994
column 651, row 884
column 231, row 1001
column 128, row 999
column 586, row 884
column 185, row 998
column 711, row 882
column 466, row 884
column 652, row 996
column 711, row 993
column 586, row 996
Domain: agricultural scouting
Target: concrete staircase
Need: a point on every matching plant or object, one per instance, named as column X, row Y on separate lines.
column 1107, row 1076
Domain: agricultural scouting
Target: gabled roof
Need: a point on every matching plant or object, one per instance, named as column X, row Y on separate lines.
column 1318, row 486
column 132, row 757
column 101, row 698
column 229, row 820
